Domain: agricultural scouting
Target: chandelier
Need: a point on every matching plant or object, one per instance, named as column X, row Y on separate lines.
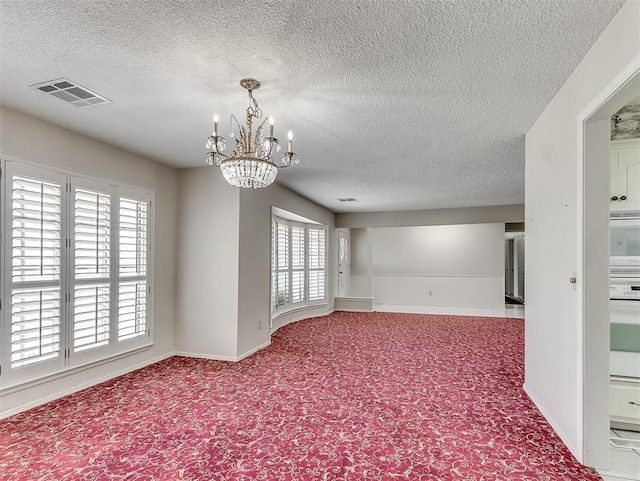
column 250, row 164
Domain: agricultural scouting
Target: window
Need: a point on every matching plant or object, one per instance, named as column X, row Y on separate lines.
column 77, row 274
column 298, row 264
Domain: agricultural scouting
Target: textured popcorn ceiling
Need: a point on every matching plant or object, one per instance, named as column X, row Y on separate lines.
column 399, row 104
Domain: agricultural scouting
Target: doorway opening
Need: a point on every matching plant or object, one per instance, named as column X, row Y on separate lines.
column 599, row 180
column 514, row 273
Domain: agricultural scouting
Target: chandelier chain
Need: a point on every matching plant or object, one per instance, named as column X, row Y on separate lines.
column 254, row 111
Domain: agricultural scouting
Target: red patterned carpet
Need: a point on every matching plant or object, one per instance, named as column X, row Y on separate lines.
column 345, row 397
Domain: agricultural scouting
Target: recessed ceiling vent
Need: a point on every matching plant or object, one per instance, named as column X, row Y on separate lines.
column 70, row 92
column 348, row 199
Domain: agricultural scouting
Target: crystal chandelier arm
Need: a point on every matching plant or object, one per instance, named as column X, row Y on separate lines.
column 238, row 138
column 242, row 141
column 237, row 125
column 263, row 141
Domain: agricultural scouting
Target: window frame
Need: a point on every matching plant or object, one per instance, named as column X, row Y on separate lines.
column 67, row 360
column 276, row 310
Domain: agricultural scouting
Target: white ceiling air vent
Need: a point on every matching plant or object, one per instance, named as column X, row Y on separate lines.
column 70, row 92
column 347, row 199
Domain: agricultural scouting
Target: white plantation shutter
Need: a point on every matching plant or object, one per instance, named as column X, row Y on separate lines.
column 297, row 263
column 35, row 325
column 36, row 234
column 317, row 263
column 282, row 245
column 133, row 253
column 91, row 321
column 274, row 256
column 92, row 265
column 78, row 267
column 92, row 236
column 132, row 309
column 35, row 226
column 282, row 265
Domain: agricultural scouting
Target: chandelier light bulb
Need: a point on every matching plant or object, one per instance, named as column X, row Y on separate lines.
column 216, row 120
column 271, row 122
column 290, row 145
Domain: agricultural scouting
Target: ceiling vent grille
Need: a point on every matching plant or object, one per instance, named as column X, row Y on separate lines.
column 348, row 199
column 70, row 92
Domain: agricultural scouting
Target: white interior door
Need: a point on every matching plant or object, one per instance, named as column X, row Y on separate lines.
column 344, row 262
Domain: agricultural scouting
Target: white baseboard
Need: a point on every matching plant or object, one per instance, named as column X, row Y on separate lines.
column 353, row 304
column 509, row 312
column 565, row 439
column 196, row 355
column 254, row 350
column 295, row 316
column 80, row 387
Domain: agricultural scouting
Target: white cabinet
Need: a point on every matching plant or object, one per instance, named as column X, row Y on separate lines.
column 624, row 157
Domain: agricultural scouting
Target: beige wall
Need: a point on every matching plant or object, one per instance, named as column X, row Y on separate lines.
column 444, row 265
column 255, row 258
column 557, row 377
column 224, row 262
column 207, row 288
column 468, row 215
column 24, row 137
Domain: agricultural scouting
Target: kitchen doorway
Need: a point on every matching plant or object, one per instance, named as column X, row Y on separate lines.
column 593, row 281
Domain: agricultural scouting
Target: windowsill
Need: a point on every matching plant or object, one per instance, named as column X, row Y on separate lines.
column 68, row 371
column 304, row 307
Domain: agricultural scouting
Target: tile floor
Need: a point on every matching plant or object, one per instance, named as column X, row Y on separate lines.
column 624, row 462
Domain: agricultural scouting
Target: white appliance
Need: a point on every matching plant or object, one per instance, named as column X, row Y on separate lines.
column 625, row 243
column 625, row 326
column 624, row 294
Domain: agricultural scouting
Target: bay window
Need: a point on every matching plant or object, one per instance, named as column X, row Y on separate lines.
column 298, row 264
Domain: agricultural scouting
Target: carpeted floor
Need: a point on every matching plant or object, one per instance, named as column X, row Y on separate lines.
column 351, row 396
